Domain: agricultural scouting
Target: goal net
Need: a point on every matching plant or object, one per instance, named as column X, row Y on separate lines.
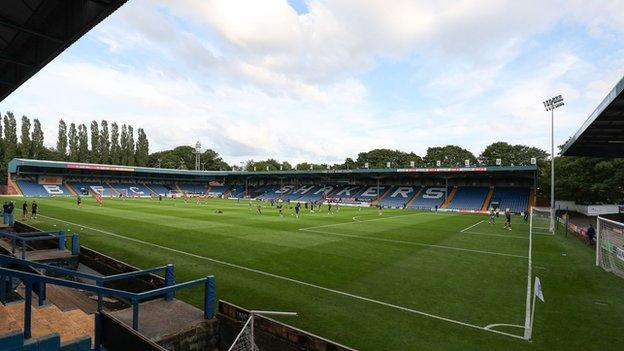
column 540, row 222
column 245, row 340
column 610, row 246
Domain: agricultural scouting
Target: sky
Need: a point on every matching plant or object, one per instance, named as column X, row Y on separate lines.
column 322, row 80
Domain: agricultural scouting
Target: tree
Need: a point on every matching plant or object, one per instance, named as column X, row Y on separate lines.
column 378, row 158
column 114, row 145
column 130, row 146
column 36, row 147
column 24, row 147
column 61, row 142
column 449, row 155
column 95, row 142
column 123, row 143
column 83, row 144
column 1, row 147
column 72, row 137
column 142, row 148
column 182, row 157
column 10, row 137
column 104, row 143
column 511, row 154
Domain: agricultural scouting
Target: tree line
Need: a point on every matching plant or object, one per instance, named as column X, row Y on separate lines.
column 447, row 156
column 76, row 143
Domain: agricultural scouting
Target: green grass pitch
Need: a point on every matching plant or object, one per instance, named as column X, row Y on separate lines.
column 405, row 280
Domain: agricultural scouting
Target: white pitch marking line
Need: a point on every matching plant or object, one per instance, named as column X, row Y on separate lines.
column 503, row 325
column 501, row 235
column 411, row 243
column 338, row 292
column 472, row 226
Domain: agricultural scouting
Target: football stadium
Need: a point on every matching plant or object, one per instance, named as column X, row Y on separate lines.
column 129, row 250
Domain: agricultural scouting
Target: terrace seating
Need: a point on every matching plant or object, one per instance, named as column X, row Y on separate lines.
column 516, row 199
column 192, row 188
column 276, row 191
column 218, row 190
column 92, row 187
column 398, row 196
column 298, row 193
column 32, row 188
column 133, row 189
column 430, row 197
column 238, row 191
column 370, row 193
column 468, row 198
column 347, row 192
column 159, row 189
column 317, row 193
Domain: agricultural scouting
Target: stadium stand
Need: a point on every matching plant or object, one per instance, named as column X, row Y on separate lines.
column 430, row 197
column 192, row 188
column 516, row 199
column 468, row 198
column 275, row 192
column 238, row 191
column 218, row 190
column 298, row 192
column 346, row 192
column 32, row 188
column 132, row 189
column 398, row 196
column 317, row 193
column 87, row 187
column 159, row 189
column 371, row 193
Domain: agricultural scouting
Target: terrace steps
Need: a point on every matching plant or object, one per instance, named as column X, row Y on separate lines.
column 150, row 189
column 411, row 201
column 46, row 320
column 449, row 198
column 112, row 188
column 70, row 188
column 378, row 198
column 488, row 198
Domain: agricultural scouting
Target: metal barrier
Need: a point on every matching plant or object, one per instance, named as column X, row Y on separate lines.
column 40, row 236
column 31, row 279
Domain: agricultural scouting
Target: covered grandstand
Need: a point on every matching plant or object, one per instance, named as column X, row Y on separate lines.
column 471, row 189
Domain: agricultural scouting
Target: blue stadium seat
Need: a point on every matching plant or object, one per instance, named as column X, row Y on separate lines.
column 218, row 190
column 468, row 198
column 32, row 188
column 430, row 197
column 192, row 188
column 516, row 199
column 398, row 196
column 317, row 193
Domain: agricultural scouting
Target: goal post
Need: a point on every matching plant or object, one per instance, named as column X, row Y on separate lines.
column 610, row 246
column 540, row 221
column 246, row 340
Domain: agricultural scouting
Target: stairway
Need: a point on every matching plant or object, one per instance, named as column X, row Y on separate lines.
column 70, row 325
column 488, row 198
column 411, row 201
column 376, row 200
column 449, row 198
column 70, row 188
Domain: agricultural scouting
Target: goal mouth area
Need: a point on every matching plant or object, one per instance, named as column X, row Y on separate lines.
column 541, row 221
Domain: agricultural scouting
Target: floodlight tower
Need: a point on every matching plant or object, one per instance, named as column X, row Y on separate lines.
column 550, row 105
column 197, row 155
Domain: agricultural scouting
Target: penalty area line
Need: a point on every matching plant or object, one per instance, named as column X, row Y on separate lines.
column 358, row 221
column 257, row 271
column 472, row 226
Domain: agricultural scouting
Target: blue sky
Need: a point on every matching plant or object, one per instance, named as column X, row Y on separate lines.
column 323, row 80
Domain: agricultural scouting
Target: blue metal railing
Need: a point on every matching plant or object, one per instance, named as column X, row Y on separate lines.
column 32, row 279
column 24, row 238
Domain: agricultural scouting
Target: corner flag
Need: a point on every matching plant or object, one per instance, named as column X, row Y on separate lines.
column 538, row 289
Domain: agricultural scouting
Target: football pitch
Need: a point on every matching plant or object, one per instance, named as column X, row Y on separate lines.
column 402, row 280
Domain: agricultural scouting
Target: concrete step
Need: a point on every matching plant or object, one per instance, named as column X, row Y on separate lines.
column 46, row 320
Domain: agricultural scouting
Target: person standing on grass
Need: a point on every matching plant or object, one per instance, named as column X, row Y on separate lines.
column 10, row 212
column 258, row 209
column 492, row 218
column 78, row 200
column 507, row 219
column 297, row 209
column 5, row 212
column 24, row 210
column 591, row 234
column 33, row 210
column 526, row 216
